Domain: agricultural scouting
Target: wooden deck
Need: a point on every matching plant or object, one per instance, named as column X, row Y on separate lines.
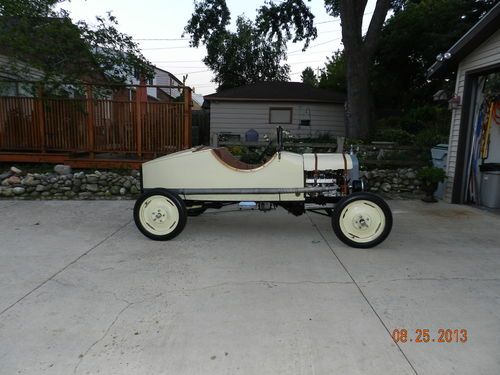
column 90, row 132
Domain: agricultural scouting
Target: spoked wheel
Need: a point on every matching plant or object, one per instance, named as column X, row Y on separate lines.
column 160, row 214
column 362, row 220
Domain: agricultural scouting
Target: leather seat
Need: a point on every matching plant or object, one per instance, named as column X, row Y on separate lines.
column 226, row 157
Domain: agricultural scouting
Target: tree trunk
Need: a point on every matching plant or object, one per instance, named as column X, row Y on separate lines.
column 358, row 109
column 358, row 52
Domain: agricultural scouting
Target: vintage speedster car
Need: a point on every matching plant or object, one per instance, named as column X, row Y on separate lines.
column 188, row 182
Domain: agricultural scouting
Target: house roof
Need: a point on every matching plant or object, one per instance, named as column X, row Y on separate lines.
column 476, row 35
column 278, row 92
column 170, row 74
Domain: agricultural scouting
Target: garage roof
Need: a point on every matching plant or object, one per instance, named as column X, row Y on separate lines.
column 278, row 92
column 478, row 33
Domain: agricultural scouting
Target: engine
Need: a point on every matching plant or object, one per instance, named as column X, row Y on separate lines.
column 338, row 171
column 327, row 178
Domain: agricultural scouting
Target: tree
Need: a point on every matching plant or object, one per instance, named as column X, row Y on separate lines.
column 409, row 44
column 34, row 33
column 236, row 58
column 309, row 77
column 358, row 53
column 333, row 76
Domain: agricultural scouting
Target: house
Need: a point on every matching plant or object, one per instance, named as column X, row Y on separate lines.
column 474, row 144
column 255, row 110
column 171, row 91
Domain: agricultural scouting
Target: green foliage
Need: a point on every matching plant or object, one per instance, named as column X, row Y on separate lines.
column 309, row 77
column 409, row 43
column 236, row 58
column 34, row 33
column 399, row 136
column 334, row 75
column 427, row 116
column 285, row 21
column 431, row 175
column 428, row 138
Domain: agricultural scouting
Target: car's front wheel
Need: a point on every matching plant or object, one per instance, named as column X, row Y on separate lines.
column 362, row 220
column 160, row 214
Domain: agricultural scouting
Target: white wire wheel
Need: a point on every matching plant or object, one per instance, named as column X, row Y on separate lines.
column 160, row 214
column 362, row 220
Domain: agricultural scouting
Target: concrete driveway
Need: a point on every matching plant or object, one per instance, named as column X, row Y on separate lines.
column 83, row 292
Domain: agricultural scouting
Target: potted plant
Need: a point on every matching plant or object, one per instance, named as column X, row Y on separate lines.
column 430, row 178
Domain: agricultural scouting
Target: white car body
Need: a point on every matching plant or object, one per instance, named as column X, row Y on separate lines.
column 203, row 169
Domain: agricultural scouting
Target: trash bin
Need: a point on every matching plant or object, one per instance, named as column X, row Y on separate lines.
column 490, row 189
column 439, row 158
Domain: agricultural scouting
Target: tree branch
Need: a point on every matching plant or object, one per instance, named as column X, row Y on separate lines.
column 375, row 28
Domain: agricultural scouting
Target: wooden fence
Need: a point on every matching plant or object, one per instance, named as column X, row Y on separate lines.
column 134, row 129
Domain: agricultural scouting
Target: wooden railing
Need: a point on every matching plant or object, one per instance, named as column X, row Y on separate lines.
column 143, row 129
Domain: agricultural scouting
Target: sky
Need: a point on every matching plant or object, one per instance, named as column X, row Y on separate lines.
column 157, row 26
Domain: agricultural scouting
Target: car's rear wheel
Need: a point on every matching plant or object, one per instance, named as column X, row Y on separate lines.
column 160, row 214
column 362, row 220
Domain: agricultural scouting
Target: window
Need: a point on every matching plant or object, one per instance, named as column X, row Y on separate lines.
column 280, row 115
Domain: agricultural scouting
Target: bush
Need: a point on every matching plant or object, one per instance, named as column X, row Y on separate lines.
column 430, row 137
column 395, row 135
column 431, row 175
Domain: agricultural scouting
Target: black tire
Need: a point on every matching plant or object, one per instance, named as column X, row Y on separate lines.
column 153, row 221
column 195, row 211
column 364, row 214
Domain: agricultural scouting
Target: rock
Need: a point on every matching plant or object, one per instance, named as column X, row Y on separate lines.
column 79, row 175
column 115, row 190
column 134, row 173
column 97, row 173
column 85, row 195
column 5, row 182
column 92, row 188
column 62, row 169
column 40, row 188
column 134, row 190
column 386, row 187
column 15, row 170
column 92, row 179
column 14, row 180
column 29, row 180
column 127, row 184
column 19, row 190
column 123, row 191
column 76, row 188
column 5, row 175
column 411, row 175
column 77, row 182
column 45, row 193
column 68, row 183
column 6, row 192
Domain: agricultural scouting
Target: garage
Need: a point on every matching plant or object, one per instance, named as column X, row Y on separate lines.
column 473, row 167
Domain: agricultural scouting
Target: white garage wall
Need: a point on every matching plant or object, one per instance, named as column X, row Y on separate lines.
column 488, row 53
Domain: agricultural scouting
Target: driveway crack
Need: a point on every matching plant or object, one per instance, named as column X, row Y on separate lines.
column 362, row 294
column 106, row 332
column 269, row 283
column 65, row 267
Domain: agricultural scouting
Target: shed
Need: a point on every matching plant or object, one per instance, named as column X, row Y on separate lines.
column 474, row 143
column 303, row 110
